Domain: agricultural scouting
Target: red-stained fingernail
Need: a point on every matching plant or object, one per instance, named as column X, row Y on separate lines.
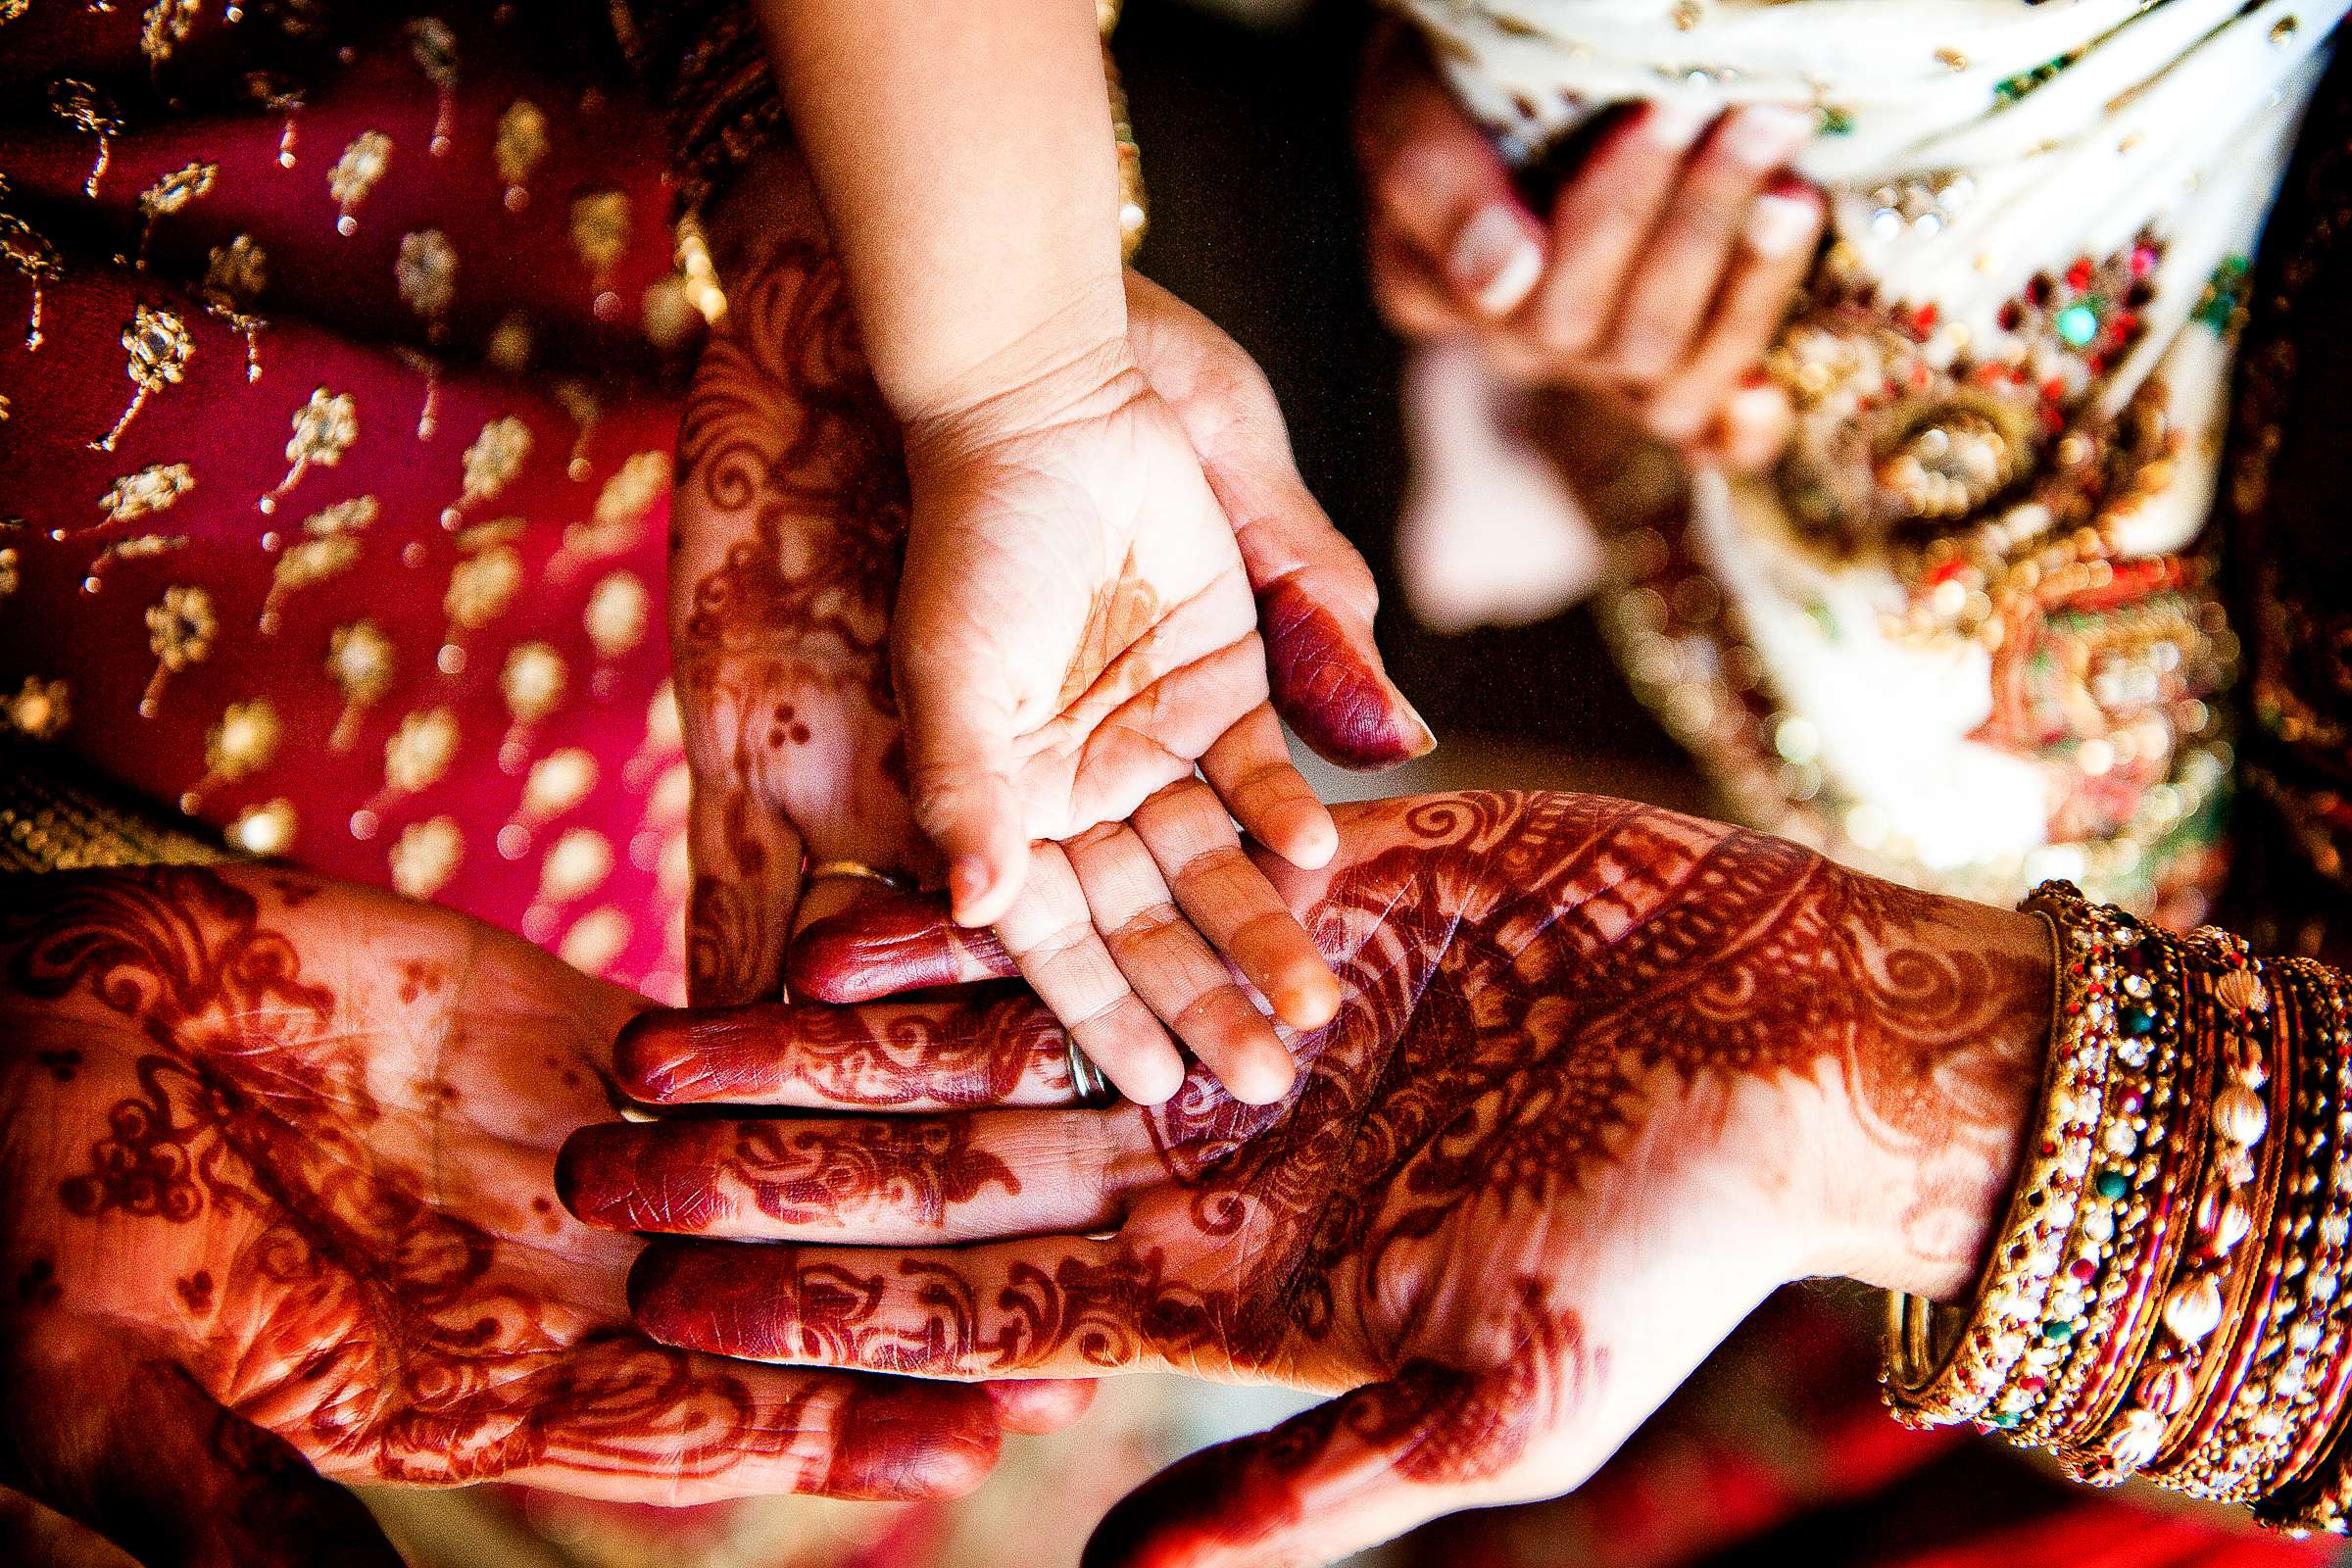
column 1497, row 258
column 904, row 1442
column 968, row 881
column 1339, row 705
column 1673, row 124
column 887, row 944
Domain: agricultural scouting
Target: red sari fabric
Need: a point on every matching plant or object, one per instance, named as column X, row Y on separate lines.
column 373, row 577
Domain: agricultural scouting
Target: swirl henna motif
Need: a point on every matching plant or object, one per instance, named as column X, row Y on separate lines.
column 319, row 1189
column 1601, row 1077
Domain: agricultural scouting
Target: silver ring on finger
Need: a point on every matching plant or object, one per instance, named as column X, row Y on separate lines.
column 1087, row 1079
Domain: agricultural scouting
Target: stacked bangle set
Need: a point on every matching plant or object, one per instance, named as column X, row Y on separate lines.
column 2163, row 1299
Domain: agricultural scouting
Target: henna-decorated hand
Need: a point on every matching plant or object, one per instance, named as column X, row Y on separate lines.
column 275, row 1161
column 1666, row 267
column 1602, row 1077
column 791, row 515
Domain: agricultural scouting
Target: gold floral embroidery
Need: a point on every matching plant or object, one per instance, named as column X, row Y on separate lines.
column 13, row 11
column 354, row 173
column 11, row 570
column 518, row 149
column 264, row 830
column 166, row 26
column 421, row 751
column 616, row 614
column 354, row 515
column 510, row 347
column 36, row 259
column 577, row 863
column 668, row 312
column 578, row 401
column 279, row 96
column 324, row 429
column 159, row 345
column 595, row 939
column 490, row 464
column 622, row 506
column 600, row 232
column 483, row 535
column 170, row 193
column 426, row 272
column 558, row 782
column 41, row 709
column 532, row 682
column 329, row 548
column 139, row 546
column 234, row 276
column 154, row 488
column 435, row 50
column 425, row 856
column 93, row 113
column 360, row 661
column 243, row 741
column 180, row 628
column 480, row 587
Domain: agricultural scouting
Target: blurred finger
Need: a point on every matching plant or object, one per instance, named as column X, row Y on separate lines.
column 1050, row 933
column 1040, row 1406
column 1601, row 221
column 1753, row 427
column 1407, row 291
column 1173, row 970
column 1250, row 769
column 1326, row 1483
column 1783, row 224
column 746, row 881
column 900, row 1055
column 1682, row 271
column 1232, row 904
column 903, row 1181
column 1435, row 178
column 1057, row 1307
column 701, row 1430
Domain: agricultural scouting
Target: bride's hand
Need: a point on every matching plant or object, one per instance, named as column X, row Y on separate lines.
column 1602, row 1077
column 277, row 1157
column 792, row 511
column 1662, row 273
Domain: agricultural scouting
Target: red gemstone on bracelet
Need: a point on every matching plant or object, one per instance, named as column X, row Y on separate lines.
column 2083, row 1268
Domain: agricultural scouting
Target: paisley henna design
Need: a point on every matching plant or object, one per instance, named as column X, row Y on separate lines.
column 301, row 1168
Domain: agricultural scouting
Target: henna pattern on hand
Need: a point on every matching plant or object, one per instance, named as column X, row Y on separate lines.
column 792, row 1171
column 365, row 1288
column 1528, row 979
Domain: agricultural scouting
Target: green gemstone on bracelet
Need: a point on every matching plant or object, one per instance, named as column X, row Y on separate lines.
column 2112, row 1184
column 2057, row 1331
column 2078, row 325
column 2137, row 1020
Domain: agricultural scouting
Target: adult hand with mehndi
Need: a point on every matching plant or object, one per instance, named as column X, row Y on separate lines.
column 1601, row 1077
column 1114, row 670
column 275, row 1156
column 1664, row 268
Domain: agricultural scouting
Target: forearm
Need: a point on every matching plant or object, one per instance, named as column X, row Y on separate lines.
column 963, row 154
